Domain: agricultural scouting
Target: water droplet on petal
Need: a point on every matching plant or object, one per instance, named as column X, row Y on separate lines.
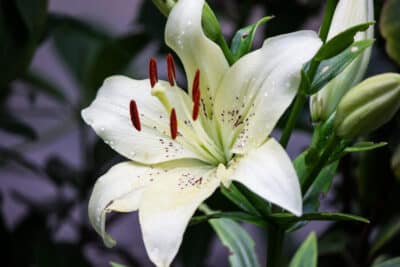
column 325, row 69
column 354, row 49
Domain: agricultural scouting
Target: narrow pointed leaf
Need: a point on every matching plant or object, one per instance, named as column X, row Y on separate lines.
column 41, row 84
column 13, row 125
column 306, row 255
column 395, row 262
column 243, row 39
column 340, row 42
column 236, row 216
column 364, row 146
column 385, row 235
column 234, row 195
column 241, row 246
column 285, row 218
column 390, row 28
column 330, row 68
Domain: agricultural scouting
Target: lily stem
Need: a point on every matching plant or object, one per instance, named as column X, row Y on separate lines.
column 304, row 86
column 294, row 113
column 327, row 20
column 320, row 163
column 275, row 237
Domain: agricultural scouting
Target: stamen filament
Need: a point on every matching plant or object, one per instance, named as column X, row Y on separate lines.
column 173, row 122
column 134, row 114
column 153, row 74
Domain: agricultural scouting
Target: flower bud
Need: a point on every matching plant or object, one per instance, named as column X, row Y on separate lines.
column 348, row 13
column 368, row 105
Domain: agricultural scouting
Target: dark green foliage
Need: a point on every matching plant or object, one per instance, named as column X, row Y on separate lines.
column 364, row 185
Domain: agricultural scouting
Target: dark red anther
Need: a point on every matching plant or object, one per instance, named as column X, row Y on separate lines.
column 196, row 85
column 153, row 74
column 135, row 119
column 171, row 69
column 173, row 124
column 196, row 105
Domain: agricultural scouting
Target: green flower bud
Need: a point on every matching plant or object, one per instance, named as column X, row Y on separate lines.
column 347, row 14
column 368, row 105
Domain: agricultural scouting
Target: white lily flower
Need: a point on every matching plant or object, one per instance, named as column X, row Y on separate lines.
column 181, row 147
column 348, row 13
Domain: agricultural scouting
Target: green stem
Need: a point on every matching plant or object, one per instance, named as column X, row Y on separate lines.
column 225, row 48
column 326, row 23
column 291, row 122
column 275, row 237
column 304, row 85
column 320, row 163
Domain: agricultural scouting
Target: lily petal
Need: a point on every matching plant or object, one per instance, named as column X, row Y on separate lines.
column 167, row 206
column 268, row 171
column 184, row 34
column 258, row 88
column 120, row 189
column 109, row 116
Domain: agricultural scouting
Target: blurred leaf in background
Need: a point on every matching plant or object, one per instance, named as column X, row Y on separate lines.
column 390, row 28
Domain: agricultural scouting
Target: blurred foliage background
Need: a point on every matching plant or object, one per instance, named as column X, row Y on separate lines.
column 49, row 160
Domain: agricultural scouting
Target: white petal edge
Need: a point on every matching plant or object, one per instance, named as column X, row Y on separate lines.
column 184, row 34
column 269, row 172
column 119, row 189
column 167, row 206
column 109, row 116
column 263, row 82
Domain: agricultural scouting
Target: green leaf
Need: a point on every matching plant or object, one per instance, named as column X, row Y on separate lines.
column 114, row 264
column 77, row 43
column 263, row 207
column 241, row 246
column 10, row 155
column 236, row 216
column 395, row 262
column 13, row 125
column 385, row 235
column 243, row 38
column 234, row 195
column 390, row 28
column 340, row 42
column 110, row 59
column 43, row 85
column 330, row 68
column 21, row 28
column 286, row 218
column 34, row 15
column 321, row 185
column 333, row 242
column 306, row 255
column 364, row 146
